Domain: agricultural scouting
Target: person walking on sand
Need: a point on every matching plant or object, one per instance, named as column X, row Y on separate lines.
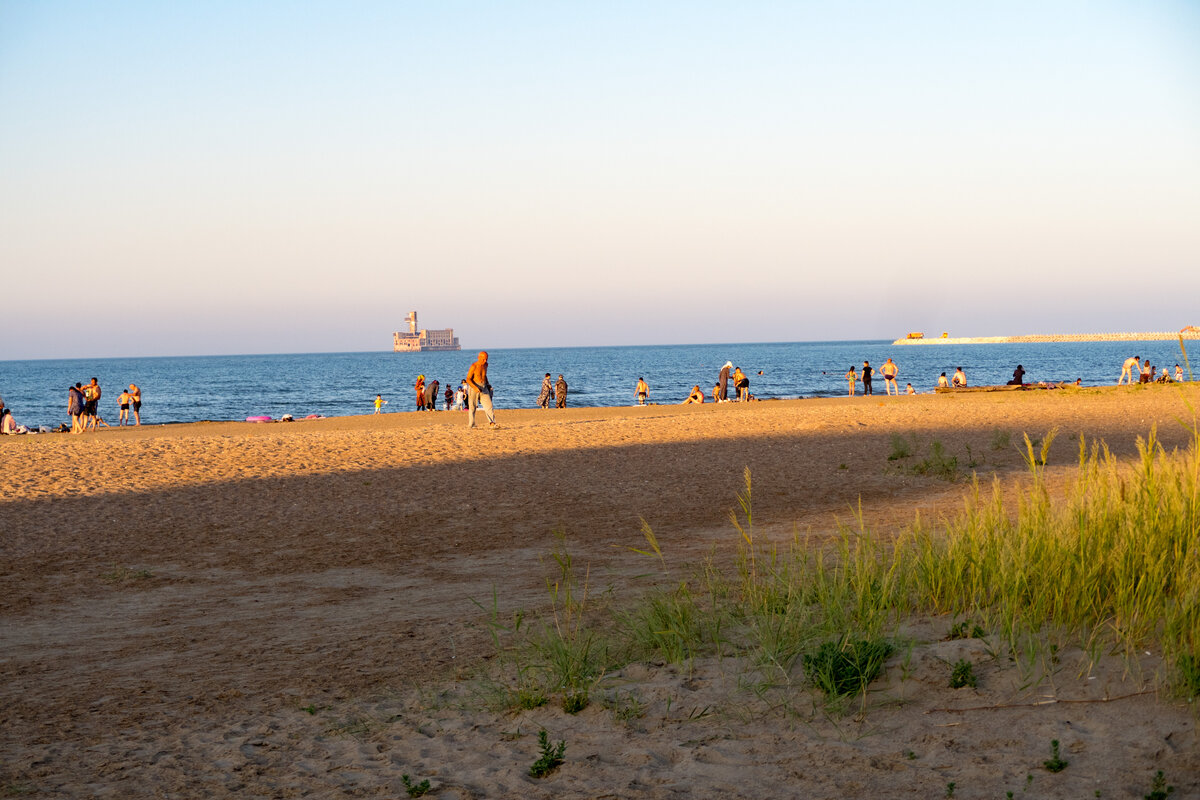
column 852, row 379
column 866, row 378
column 1127, row 370
column 642, row 392
column 560, row 393
column 477, row 391
column 123, row 402
column 890, row 370
column 546, row 392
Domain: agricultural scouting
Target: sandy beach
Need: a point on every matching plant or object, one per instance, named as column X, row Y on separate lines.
column 300, row 609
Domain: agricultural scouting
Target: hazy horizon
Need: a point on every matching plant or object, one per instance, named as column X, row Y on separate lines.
column 187, row 179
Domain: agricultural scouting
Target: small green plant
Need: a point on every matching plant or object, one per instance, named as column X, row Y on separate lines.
column 551, row 756
column 966, row 629
column 1158, row 787
column 625, row 707
column 1001, row 440
column 938, row 464
column 414, row 789
column 574, row 702
column 901, row 448
column 962, row 674
column 311, row 709
column 846, row 667
column 842, row 466
column 1055, row 763
column 529, row 697
column 910, row 755
column 950, row 789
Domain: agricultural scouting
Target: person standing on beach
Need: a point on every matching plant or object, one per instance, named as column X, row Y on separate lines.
column 379, row 401
column 643, row 391
column 1178, row 377
column 123, row 403
column 866, row 377
column 135, row 400
column 76, row 403
column 449, row 397
column 852, row 378
column 1147, row 372
column 477, row 391
column 420, row 387
column 723, row 383
column 431, row 395
column 91, row 410
column 889, row 370
column 560, row 393
column 546, row 392
column 1127, row 370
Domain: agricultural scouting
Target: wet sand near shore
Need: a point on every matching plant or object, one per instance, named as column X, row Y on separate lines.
column 173, row 595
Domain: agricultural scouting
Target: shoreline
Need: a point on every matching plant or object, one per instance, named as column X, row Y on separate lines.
column 177, row 601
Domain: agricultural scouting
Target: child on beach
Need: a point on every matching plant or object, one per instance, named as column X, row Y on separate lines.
column 379, row 402
column 852, row 378
column 123, row 401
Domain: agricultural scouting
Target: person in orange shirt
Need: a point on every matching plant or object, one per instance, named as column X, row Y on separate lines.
column 420, row 387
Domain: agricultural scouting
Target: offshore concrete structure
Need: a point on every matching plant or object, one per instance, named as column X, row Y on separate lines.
column 423, row 340
column 1191, row 332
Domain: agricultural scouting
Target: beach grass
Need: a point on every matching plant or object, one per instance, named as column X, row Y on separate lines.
column 1110, row 561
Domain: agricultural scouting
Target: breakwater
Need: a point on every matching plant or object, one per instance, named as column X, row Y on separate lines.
column 1190, row 335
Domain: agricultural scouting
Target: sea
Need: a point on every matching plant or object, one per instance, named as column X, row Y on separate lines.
column 234, row 387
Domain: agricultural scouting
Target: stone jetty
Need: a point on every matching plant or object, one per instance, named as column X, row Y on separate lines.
column 1189, row 333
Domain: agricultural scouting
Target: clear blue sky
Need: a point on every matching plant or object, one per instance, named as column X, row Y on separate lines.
column 249, row 177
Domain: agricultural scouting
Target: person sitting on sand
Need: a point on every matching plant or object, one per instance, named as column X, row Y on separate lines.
column 8, row 425
column 852, row 380
column 960, row 379
column 910, row 389
column 696, row 396
column 1018, row 378
column 1164, row 376
column 943, row 381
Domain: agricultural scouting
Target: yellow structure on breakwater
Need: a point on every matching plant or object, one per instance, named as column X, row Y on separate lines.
column 1191, row 332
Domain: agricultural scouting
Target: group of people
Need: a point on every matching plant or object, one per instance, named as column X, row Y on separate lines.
column 1147, row 372
column 474, row 392
column 83, row 406
column 556, row 391
column 720, row 390
column 888, row 371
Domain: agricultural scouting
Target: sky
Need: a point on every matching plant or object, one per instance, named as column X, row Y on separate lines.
column 258, row 177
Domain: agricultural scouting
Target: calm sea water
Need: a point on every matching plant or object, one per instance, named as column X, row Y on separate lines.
column 188, row 389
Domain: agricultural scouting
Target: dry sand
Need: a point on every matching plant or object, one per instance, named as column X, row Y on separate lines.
column 174, row 597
